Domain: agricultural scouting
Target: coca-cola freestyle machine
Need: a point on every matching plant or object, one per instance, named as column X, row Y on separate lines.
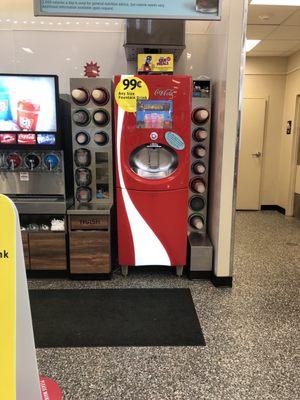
column 152, row 153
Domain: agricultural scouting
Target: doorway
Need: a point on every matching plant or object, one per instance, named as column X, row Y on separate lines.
column 251, row 154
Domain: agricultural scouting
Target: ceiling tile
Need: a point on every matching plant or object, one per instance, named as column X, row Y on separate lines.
column 276, row 45
column 277, row 15
column 285, row 33
column 259, row 31
column 293, row 19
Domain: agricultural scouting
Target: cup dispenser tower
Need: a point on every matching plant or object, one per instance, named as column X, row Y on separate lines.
column 200, row 247
column 90, row 218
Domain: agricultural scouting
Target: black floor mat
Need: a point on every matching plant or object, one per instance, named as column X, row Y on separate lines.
column 115, row 317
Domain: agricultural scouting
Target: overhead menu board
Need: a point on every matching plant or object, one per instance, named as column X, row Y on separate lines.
column 162, row 9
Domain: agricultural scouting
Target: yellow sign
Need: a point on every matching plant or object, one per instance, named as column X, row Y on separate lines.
column 7, row 300
column 129, row 90
column 155, row 63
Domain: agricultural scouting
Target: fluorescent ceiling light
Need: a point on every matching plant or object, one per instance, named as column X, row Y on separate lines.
column 27, row 50
column 250, row 44
column 276, row 2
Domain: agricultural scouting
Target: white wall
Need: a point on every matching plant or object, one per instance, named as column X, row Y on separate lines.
column 288, row 146
column 62, row 46
column 266, row 78
column 225, row 61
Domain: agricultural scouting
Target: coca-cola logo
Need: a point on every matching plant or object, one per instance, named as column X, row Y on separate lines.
column 164, row 92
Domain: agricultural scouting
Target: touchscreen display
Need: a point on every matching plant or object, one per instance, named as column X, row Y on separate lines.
column 27, row 103
column 155, row 114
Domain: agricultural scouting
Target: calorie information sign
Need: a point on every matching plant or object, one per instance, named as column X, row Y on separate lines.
column 161, row 9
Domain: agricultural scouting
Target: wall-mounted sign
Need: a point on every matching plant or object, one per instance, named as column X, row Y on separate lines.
column 175, row 9
column 91, row 70
column 155, row 63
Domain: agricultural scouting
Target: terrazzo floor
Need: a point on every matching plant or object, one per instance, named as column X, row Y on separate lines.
column 251, row 331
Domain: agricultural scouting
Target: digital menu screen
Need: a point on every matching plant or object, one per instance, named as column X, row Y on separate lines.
column 154, row 114
column 27, row 104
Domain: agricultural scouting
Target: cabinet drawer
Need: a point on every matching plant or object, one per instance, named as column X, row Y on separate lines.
column 89, row 222
column 25, row 242
column 48, row 251
column 89, row 252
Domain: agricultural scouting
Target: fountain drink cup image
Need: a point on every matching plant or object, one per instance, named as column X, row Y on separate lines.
column 27, row 115
column 161, row 121
column 154, row 120
column 147, row 120
column 5, row 110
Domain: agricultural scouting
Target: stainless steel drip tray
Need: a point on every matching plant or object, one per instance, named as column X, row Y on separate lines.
column 40, row 204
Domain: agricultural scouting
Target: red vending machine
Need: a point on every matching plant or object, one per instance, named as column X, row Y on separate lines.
column 152, row 153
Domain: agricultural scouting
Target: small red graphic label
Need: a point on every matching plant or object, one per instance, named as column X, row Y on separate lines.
column 91, row 70
column 49, row 389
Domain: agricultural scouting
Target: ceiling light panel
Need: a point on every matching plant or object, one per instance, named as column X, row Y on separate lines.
column 293, row 3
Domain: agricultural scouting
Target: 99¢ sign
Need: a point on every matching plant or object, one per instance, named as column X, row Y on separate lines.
column 129, row 90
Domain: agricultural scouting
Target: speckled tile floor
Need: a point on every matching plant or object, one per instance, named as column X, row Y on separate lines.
column 251, row 330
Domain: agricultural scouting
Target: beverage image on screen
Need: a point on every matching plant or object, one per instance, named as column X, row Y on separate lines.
column 200, row 116
column 82, row 157
column 51, row 162
column 82, row 138
column 100, row 96
column 80, row 96
column 27, row 115
column 84, row 194
column 5, row 109
column 199, row 168
column 26, row 138
column 8, row 138
column 101, row 138
column 199, row 151
column 46, row 139
column 13, row 161
column 101, row 117
column 27, row 103
column 200, row 134
column 197, row 203
column 197, row 222
column 83, row 177
column 31, row 161
column 156, row 114
column 198, row 186
column 207, row 6
column 81, row 117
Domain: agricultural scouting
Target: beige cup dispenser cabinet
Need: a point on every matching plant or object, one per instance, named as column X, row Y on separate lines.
column 200, row 247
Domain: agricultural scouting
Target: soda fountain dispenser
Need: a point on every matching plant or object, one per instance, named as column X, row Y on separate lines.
column 152, row 158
